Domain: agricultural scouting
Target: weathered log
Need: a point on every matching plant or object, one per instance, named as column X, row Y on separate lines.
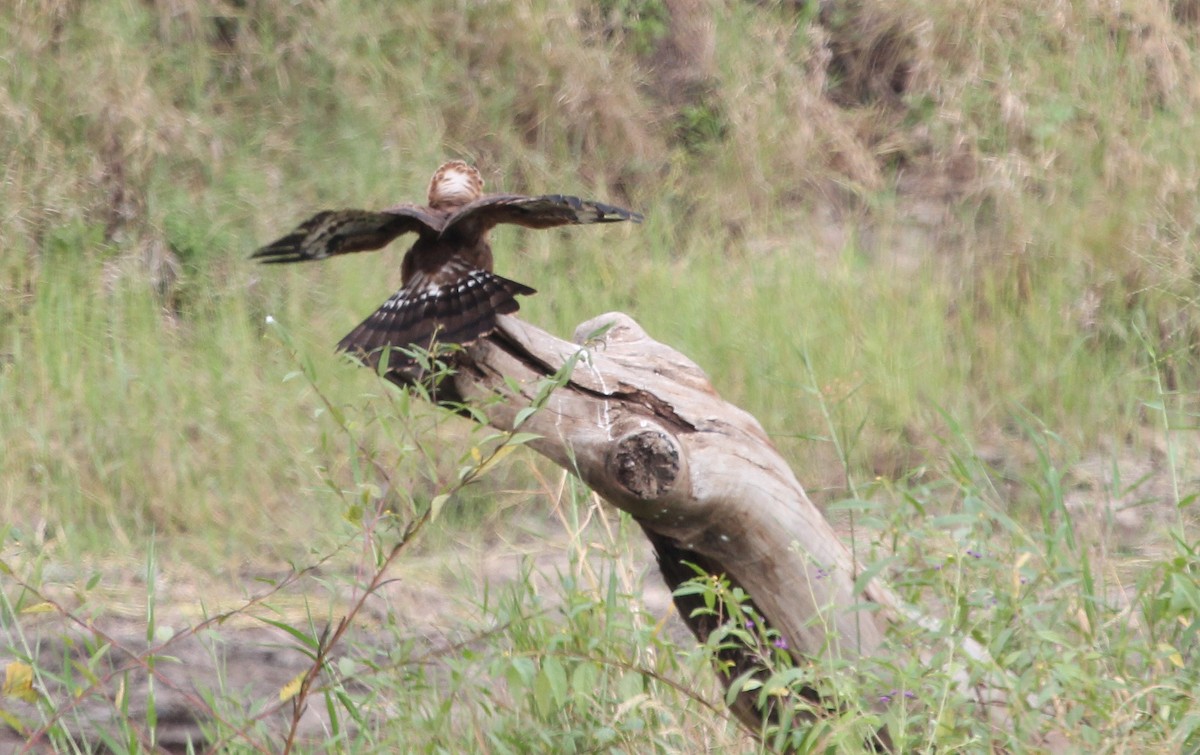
column 641, row 425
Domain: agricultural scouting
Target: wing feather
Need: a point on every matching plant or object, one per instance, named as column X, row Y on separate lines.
column 458, row 308
column 545, row 211
column 343, row 231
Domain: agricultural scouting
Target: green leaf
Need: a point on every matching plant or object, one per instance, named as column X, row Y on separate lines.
column 796, row 677
column 519, row 674
column 869, row 573
column 307, row 640
column 520, row 439
column 583, row 680
column 630, row 686
column 350, row 705
column 543, row 695
column 744, row 683
column 84, row 670
column 853, row 504
column 331, row 711
column 556, row 675
column 950, row 521
column 523, row 415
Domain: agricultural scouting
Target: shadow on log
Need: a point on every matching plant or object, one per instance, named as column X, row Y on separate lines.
column 641, row 425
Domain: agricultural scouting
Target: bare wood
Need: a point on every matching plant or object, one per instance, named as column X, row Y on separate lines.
column 718, row 485
column 641, row 424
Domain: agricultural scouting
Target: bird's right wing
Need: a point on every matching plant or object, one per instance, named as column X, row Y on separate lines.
column 342, row 231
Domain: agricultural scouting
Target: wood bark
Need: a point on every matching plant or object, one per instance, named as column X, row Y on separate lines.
column 641, row 424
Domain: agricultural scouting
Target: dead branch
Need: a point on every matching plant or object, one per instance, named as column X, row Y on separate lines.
column 643, row 427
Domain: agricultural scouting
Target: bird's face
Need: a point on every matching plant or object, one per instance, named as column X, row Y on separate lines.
column 454, row 184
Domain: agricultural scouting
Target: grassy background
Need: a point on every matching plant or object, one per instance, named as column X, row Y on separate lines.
column 928, row 230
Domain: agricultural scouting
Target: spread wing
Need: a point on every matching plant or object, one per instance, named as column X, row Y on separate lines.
column 537, row 212
column 343, row 231
column 457, row 303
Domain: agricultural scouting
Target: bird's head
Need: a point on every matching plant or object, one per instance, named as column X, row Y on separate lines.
column 454, row 184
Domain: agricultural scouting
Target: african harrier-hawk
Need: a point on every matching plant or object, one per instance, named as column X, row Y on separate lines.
column 449, row 291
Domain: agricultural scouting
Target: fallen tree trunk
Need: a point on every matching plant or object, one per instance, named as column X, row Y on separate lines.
column 643, row 427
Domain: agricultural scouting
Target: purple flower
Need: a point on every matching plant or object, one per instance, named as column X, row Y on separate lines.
column 974, row 553
column 749, row 623
column 888, row 697
column 780, row 643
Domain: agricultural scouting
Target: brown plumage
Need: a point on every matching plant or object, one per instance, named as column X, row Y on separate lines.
column 449, row 292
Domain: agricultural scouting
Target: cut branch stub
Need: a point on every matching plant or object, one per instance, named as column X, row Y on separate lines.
column 647, row 462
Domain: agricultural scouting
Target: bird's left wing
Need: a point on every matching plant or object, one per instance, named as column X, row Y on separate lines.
column 342, row 231
column 545, row 211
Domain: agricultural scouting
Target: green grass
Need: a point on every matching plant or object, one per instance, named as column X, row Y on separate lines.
column 982, row 285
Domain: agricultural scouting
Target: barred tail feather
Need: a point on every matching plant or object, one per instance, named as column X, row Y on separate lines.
column 459, row 312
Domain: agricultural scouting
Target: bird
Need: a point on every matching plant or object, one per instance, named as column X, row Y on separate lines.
column 449, row 293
